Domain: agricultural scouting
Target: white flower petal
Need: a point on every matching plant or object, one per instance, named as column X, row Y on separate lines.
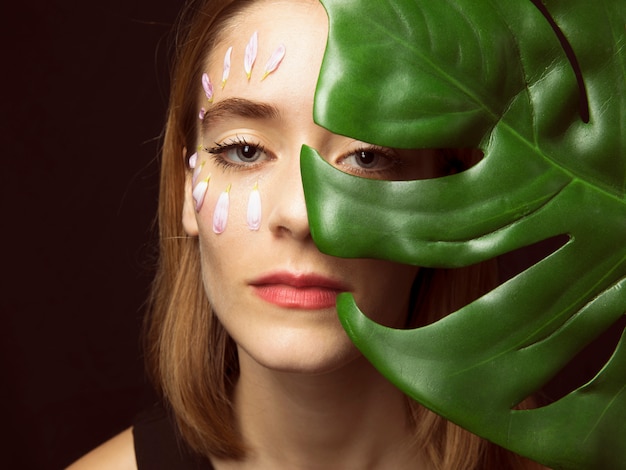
column 251, row 51
column 226, row 72
column 199, row 193
column 274, row 61
column 196, row 173
column 220, row 216
column 207, row 86
column 193, row 160
column 254, row 209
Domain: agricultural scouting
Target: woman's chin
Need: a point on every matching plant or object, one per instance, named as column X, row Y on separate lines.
column 308, row 356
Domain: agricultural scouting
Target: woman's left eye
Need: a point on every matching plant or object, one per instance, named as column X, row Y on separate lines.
column 366, row 159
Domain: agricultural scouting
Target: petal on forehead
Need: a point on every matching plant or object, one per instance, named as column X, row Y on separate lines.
column 207, row 86
column 274, row 61
column 226, row 72
column 251, row 52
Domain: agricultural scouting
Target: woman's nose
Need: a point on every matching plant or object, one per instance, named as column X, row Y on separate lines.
column 287, row 214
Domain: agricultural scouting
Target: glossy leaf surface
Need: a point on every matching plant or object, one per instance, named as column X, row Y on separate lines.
column 492, row 75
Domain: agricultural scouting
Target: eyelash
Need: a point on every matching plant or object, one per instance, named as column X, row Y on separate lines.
column 219, row 150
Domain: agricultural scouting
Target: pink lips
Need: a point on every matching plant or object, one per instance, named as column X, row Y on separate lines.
column 303, row 291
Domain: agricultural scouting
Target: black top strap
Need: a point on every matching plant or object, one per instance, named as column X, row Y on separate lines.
column 159, row 447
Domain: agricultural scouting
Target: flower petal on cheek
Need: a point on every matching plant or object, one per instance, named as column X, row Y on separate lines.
column 251, row 51
column 193, row 160
column 199, row 192
column 220, row 216
column 254, row 209
column 196, row 173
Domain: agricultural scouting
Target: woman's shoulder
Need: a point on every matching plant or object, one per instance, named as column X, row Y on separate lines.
column 116, row 453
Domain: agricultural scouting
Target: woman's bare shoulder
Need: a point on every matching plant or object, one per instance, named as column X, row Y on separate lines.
column 116, row 453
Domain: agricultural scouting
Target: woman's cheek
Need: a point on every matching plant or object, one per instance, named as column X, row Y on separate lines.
column 224, row 207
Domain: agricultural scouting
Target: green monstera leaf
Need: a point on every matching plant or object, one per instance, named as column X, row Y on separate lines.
column 496, row 76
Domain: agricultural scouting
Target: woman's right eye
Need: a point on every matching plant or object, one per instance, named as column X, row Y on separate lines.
column 244, row 153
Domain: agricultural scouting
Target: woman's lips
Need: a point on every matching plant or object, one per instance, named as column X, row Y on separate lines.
column 308, row 292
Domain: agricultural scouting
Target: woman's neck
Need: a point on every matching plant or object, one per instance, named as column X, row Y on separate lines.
column 349, row 418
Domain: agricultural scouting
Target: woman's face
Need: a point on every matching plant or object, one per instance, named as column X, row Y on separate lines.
column 271, row 288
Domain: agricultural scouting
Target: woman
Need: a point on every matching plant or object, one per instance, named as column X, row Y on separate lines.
column 243, row 341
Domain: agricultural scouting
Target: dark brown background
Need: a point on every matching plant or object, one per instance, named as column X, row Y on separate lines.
column 82, row 99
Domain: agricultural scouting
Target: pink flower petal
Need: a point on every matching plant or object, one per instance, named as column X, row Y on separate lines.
column 199, row 192
column 254, row 209
column 226, row 66
column 201, row 114
column 220, row 216
column 274, row 61
column 207, row 86
column 251, row 51
column 193, row 160
column 196, row 173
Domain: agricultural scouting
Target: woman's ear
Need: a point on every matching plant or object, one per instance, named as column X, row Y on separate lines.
column 190, row 223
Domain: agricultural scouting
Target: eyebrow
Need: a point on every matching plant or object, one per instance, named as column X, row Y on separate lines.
column 238, row 108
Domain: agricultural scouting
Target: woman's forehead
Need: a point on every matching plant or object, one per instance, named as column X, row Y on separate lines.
column 269, row 41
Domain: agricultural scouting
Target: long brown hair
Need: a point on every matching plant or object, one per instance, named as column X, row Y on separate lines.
column 190, row 358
